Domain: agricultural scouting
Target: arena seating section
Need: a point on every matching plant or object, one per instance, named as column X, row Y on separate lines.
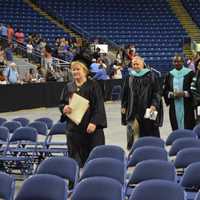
column 22, row 16
column 193, row 8
column 150, row 25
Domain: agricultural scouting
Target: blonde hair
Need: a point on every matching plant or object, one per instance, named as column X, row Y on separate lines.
column 83, row 66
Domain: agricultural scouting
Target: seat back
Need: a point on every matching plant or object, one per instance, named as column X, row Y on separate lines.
column 187, row 156
column 24, row 121
column 180, row 133
column 157, row 189
column 107, row 151
column 46, row 120
column 148, row 141
column 41, row 127
column 43, row 187
column 147, row 153
column 12, row 125
column 98, row 188
column 63, row 167
column 183, row 143
column 104, row 167
column 2, row 120
column 7, row 188
column 153, row 169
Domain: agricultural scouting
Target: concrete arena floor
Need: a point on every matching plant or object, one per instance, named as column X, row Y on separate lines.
column 115, row 133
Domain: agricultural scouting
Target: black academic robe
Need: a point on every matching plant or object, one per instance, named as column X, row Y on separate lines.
column 80, row 143
column 138, row 94
column 189, row 120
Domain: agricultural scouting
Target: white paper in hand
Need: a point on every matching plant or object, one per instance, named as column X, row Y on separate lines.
column 79, row 106
column 150, row 115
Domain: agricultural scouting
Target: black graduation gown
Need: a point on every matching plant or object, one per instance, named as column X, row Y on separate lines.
column 138, row 94
column 80, row 143
column 189, row 120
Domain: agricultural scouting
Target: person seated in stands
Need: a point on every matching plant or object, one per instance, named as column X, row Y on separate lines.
column 41, row 74
column 11, row 74
column 10, row 33
column 3, row 33
column 94, row 67
column 19, row 35
column 50, row 75
column 131, row 55
column 42, row 44
column 117, row 71
column 48, row 58
column 29, row 50
column 101, row 74
column 2, row 57
column 9, row 52
column 67, row 74
column 2, row 78
column 96, row 54
column 69, row 56
column 59, row 74
column 31, row 76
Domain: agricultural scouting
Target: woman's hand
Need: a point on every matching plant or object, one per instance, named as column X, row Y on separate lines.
column 91, row 128
column 179, row 94
column 152, row 109
column 123, row 110
column 67, row 109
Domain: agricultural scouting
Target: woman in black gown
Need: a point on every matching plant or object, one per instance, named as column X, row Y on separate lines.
column 89, row 133
column 141, row 90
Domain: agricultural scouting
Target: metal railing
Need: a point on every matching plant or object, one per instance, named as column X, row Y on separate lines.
column 35, row 57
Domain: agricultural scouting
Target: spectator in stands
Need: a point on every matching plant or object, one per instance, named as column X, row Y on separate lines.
column 119, row 56
column 29, row 50
column 94, row 67
column 178, row 96
column 67, row 74
column 9, row 52
column 11, row 74
column 50, row 75
column 195, row 89
column 131, row 55
column 117, row 71
column 19, row 35
column 59, row 74
column 2, row 78
column 41, row 74
column 2, row 57
column 141, row 91
column 3, row 32
column 42, row 44
column 31, row 76
column 10, row 33
column 96, row 54
column 69, row 56
column 106, row 59
column 190, row 63
column 101, row 74
column 89, row 133
column 48, row 58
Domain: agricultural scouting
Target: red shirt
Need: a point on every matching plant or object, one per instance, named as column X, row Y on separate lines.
column 19, row 37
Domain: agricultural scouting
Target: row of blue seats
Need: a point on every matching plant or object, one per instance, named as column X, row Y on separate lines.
column 110, row 162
